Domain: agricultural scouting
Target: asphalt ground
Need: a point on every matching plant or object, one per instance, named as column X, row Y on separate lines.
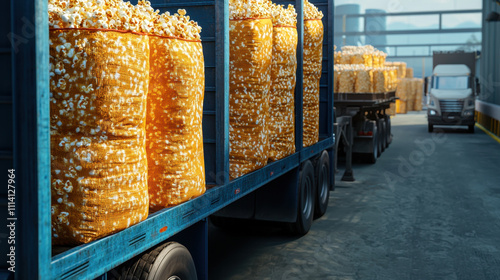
column 428, row 209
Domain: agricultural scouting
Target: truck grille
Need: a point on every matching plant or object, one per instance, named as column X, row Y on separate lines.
column 451, row 106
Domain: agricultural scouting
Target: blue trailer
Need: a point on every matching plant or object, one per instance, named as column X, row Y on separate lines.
column 289, row 190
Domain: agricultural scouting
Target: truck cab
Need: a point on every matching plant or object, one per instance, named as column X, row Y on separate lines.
column 451, row 97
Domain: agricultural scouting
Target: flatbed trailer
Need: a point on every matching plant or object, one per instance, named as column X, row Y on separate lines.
column 362, row 126
column 280, row 187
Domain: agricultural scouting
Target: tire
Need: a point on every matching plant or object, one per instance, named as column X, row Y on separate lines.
column 388, row 130
column 305, row 205
column 170, row 261
column 383, row 136
column 322, row 185
column 372, row 157
column 430, row 127
column 471, row 128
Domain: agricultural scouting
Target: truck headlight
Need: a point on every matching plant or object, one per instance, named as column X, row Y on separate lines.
column 432, row 112
column 468, row 113
column 471, row 102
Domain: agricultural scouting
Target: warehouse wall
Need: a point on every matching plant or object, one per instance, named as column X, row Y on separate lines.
column 490, row 56
column 488, row 106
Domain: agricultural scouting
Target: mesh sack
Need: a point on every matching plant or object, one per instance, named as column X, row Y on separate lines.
column 401, row 107
column 313, row 55
column 402, row 89
column 346, row 81
column 336, row 57
column 419, row 95
column 368, row 60
column 174, row 122
column 376, row 61
column 357, row 58
column 99, row 84
column 379, row 80
column 282, row 104
column 409, row 72
column 363, row 81
column 250, row 81
column 345, row 58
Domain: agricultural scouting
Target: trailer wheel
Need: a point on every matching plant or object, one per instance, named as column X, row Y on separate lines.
column 170, row 261
column 383, row 136
column 471, row 128
column 430, row 127
column 323, row 184
column 305, row 207
column 372, row 157
column 388, row 131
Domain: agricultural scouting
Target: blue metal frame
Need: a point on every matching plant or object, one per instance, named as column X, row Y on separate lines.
column 32, row 152
column 30, row 78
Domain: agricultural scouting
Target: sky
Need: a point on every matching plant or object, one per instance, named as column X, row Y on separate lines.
column 399, row 6
column 395, row 6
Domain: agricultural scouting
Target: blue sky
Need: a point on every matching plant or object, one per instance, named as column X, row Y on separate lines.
column 397, row 6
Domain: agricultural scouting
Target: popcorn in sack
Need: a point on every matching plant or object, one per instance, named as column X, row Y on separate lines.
column 250, row 33
column 175, row 112
column 174, row 122
column 281, row 125
column 313, row 56
column 98, row 83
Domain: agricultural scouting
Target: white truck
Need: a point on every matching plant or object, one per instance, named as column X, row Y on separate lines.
column 452, row 91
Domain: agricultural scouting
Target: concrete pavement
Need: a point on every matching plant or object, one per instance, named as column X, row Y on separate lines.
column 428, row 209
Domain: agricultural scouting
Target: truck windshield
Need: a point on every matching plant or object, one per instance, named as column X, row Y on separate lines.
column 443, row 82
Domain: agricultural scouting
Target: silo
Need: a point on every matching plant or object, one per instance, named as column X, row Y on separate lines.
column 351, row 23
column 373, row 26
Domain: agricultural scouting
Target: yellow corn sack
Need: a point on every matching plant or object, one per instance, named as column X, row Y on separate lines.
column 346, row 81
column 99, row 83
column 363, row 81
column 379, row 80
column 249, row 84
column 174, row 121
column 282, row 94
column 313, row 56
column 403, row 89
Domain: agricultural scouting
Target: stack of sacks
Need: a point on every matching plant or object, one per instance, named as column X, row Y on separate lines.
column 410, row 93
column 251, row 45
column 313, row 56
column 103, row 130
column 176, row 167
column 98, row 118
column 357, row 55
column 357, row 78
column 281, row 124
column 401, row 68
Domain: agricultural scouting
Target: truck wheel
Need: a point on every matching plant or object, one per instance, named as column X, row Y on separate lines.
column 305, row 207
column 388, row 131
column 383, row 137
column 170, row 261
column 323, row 185
column 430, row 127
column 471, row 128
column 372, row 157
